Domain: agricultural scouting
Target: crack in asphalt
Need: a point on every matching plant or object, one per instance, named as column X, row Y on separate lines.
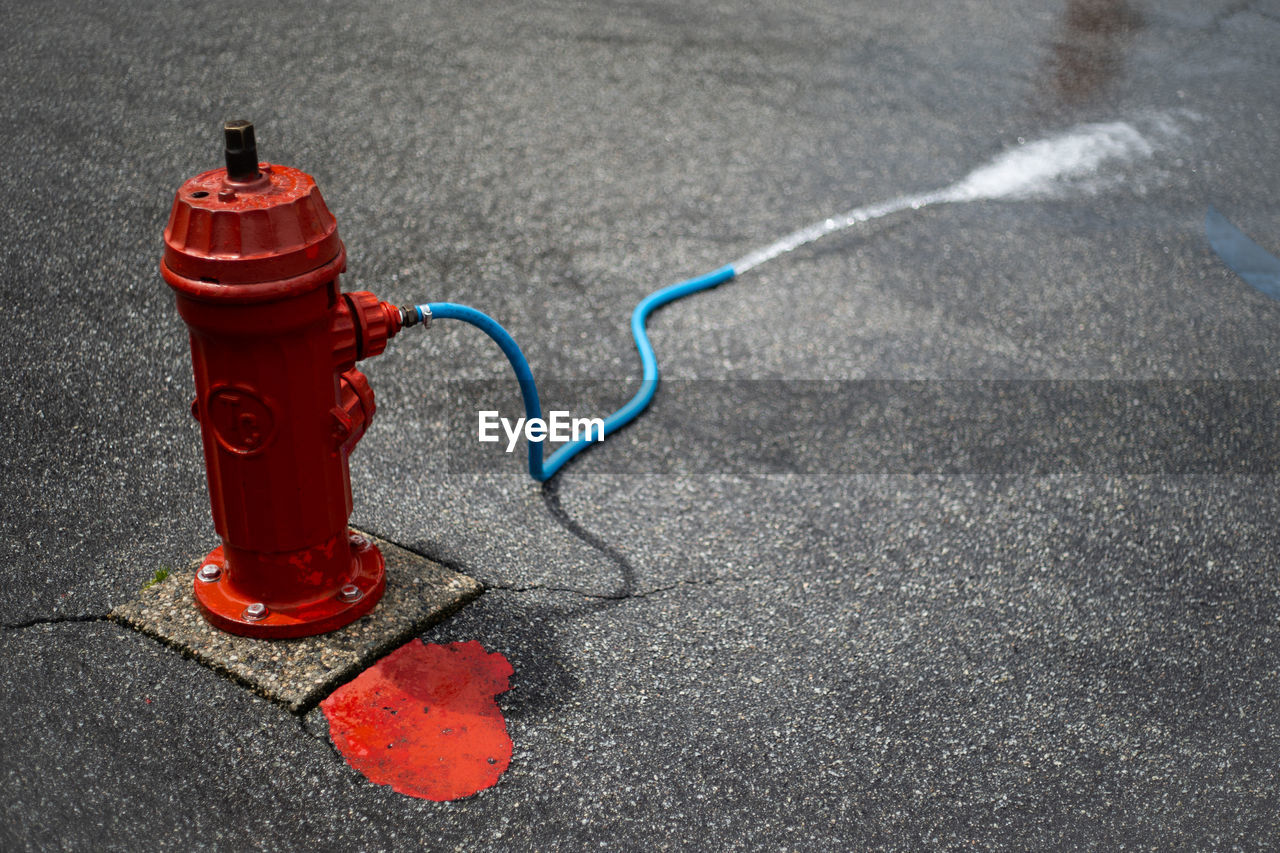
column 55, row 620
column 614, row 596
column 551, row 498
column 312, row 729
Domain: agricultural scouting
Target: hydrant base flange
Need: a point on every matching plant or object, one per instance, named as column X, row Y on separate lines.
column 225, row 608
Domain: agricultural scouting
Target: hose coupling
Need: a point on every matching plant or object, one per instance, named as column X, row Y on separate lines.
column 412, row 315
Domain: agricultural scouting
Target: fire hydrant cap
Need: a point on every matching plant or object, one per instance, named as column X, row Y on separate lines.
column 240, row 232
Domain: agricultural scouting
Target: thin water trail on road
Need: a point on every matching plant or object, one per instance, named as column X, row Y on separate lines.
column 1058, row 165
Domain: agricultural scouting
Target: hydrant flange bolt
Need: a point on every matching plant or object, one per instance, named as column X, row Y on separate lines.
column 256, row 611
column 209, row 572
column 350, row 592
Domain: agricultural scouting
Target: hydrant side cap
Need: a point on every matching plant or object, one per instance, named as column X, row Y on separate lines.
column 234, row 233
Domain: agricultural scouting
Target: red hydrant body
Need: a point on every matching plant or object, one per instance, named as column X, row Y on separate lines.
column 253, row 255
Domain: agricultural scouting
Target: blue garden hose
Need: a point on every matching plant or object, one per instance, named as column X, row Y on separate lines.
column 1023, row 172
column 539, row 468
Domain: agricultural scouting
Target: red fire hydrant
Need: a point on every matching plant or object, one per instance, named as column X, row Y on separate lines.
column 253, row 255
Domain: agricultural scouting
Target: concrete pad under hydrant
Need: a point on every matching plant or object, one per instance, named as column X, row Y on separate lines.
column 298, row 673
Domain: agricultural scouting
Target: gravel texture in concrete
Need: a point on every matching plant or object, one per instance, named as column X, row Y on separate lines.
column 299, row 673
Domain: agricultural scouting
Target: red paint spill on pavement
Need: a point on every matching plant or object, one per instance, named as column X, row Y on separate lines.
column 424, row 720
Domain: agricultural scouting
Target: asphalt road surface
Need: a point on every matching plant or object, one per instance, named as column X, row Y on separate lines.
column 955, row 528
